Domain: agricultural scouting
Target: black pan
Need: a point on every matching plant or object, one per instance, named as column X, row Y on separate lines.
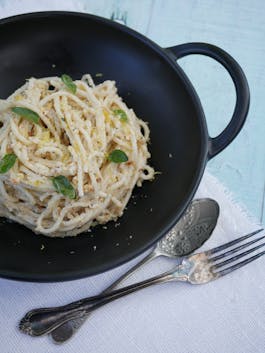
column 152, row 83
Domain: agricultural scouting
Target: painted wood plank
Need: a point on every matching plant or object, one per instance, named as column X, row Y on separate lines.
column 238, row 28
column 14, row 7
column 134, row 14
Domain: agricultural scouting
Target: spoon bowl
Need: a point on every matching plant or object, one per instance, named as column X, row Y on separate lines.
column 193, row 229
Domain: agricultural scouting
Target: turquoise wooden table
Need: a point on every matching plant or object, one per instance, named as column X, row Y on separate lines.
column 236, row 26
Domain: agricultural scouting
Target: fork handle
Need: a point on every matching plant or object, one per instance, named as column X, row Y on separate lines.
column 42, row 321
column 126, row 275
column 66, row 330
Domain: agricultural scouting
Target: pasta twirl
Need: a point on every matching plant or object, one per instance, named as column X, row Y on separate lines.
column 87, row 138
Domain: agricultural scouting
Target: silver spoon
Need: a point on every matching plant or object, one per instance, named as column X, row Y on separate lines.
column 193, row 229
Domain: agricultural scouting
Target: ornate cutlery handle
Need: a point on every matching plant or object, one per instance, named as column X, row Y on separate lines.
column 42, row 321
column 66, row 330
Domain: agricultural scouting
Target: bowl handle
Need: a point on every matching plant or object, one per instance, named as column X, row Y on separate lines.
column 217, row 144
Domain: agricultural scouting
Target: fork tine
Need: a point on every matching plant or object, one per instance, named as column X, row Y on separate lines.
column 234, row 258
column 238, row 265
column 227, row 245
column 240, row 247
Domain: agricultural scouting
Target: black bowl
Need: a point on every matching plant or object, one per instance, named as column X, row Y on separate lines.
column 150, row 81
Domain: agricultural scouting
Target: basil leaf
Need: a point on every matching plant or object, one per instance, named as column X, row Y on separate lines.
column 63, row 186
column 7, row 162
column 121, row 113
column 27, row 114
column 67, row 80
column 117, row 156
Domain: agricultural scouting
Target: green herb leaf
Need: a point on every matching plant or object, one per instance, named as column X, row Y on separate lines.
column 117, row 156
column 7, row 162
column 122, row 115
column 27, row 114
column 63, row 186
column 67, row 80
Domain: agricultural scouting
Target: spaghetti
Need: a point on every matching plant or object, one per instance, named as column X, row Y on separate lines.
column 76, row 153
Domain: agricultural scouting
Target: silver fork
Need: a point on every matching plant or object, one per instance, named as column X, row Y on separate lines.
column 196, row 269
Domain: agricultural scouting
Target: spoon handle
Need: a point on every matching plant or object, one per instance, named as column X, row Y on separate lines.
column 66, row 330
column 43, row 320
column 149, row 257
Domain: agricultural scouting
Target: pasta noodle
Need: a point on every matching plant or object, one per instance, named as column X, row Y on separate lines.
column 87, row 142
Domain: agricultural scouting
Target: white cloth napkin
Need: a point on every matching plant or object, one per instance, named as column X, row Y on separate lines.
column 227, row 315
